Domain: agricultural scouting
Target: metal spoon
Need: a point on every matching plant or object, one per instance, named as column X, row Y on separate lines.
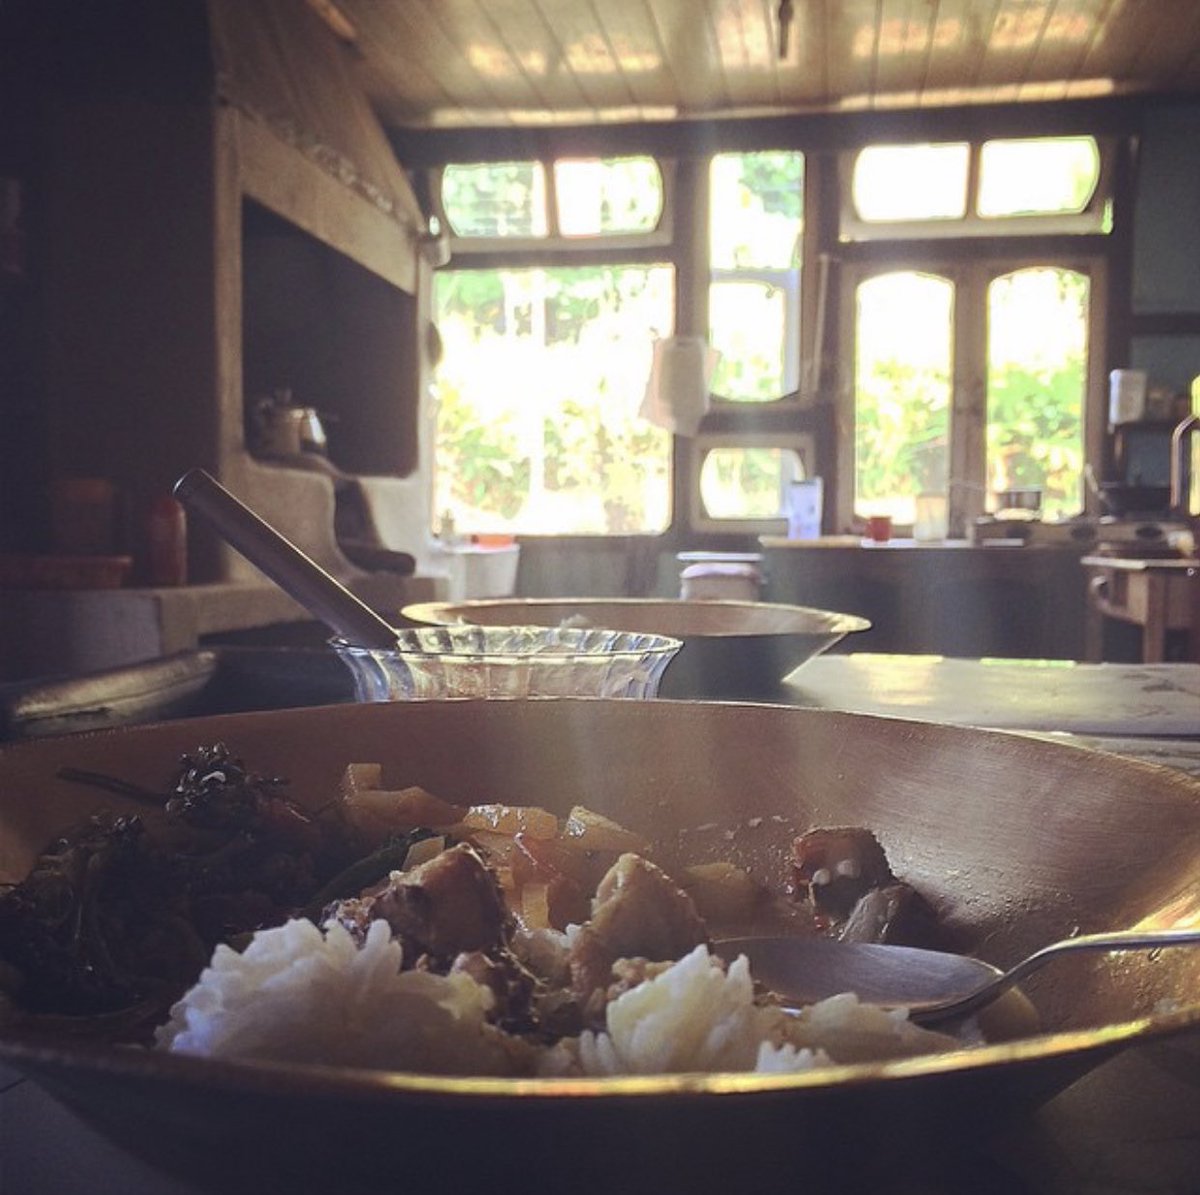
column 933, row 985
column 326, row 598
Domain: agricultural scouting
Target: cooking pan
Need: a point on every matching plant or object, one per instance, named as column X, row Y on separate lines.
column 1015, row 841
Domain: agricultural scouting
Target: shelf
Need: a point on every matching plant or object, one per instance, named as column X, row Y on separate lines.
column 44, row 633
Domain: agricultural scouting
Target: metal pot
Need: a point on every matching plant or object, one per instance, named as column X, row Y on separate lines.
column 279, row 429
column 1023, row 498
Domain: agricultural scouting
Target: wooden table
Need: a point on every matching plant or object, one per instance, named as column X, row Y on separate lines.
column 1158, row 595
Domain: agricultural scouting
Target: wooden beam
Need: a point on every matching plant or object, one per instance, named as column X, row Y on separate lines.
column 283, row 179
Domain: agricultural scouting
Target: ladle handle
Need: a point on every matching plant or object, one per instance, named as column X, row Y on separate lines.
column 295, row 573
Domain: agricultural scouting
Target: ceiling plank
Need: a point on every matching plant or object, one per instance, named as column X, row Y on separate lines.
column 960, row 40
column 804, row 74
column 521, row 29
column 390, row 47
column 1057, row 62
column 691, row 50
column 1012, row 46
column 641, row 58
column 586, row 51
column 1119, row 40
column 746, row 52
column 903, row 48
column 483, row 64
column 1167, row 49
column 851, row 41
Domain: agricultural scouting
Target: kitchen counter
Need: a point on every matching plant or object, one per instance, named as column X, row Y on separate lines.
column 1131, row 1127
column 955, row 598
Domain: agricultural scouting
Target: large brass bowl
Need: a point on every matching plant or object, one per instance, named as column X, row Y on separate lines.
column 1017, row 841
column 731, row 650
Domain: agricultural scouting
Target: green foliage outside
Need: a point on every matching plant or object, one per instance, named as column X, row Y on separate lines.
column 1036, row 377
column 538, row 428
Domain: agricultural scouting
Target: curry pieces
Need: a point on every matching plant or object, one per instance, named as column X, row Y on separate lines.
column 555, row 915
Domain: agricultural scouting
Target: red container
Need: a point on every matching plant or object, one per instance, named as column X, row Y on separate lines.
column 166, row 543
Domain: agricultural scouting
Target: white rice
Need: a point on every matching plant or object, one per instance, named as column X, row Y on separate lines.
column 300, row 994
column 694, row 1016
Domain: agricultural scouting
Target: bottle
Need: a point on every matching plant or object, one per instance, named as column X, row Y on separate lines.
column 166, row 542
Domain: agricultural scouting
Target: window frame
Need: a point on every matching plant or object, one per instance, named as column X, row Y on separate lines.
column 971, row 276
column 661, row 236
column 1091, row 220
column 654, row 247
column 819, row 402
column 803, row 443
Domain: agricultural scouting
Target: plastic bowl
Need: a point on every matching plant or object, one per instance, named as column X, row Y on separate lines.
column 731, row 650
column 509, row 661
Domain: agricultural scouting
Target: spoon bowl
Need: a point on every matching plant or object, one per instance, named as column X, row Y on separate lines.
column 933, row 985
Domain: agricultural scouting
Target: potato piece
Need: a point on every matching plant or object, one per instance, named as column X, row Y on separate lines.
column 591, row 831
column 512, row 819
column 545, row 858
column 535, row 906
column 721, row 892
column 422, row 852
column 379, row 813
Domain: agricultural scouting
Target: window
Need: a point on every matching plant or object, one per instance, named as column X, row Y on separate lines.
column 755, row 221
column 961, row 369
column 496, row 199
column 602, row 197
column 545, row 362
column 911, row 182
column 591, row 197
column 1009, row 187
column 537, row 400
column 904, row 358
column 747, row 478
column 923, row 423
column 1037, row 177
column 970, row 368
column 1037, row 351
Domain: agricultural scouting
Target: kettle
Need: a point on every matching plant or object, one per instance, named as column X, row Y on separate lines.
column 280, row 429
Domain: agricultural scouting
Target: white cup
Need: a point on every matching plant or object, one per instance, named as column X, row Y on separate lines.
column 1126, row 396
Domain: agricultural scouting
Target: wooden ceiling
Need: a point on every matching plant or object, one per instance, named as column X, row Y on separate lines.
column 470, row 63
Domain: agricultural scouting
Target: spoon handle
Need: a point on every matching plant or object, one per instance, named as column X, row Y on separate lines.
column 295, row 573
column 1128, row 939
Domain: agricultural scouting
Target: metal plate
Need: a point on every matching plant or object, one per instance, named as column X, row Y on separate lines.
column 1017, row 841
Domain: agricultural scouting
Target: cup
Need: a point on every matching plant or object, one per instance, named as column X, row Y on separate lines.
column 1126, row 396
column 879, row 528
column 930, row 524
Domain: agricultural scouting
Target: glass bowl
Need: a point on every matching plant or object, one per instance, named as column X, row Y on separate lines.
column 509, row 661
